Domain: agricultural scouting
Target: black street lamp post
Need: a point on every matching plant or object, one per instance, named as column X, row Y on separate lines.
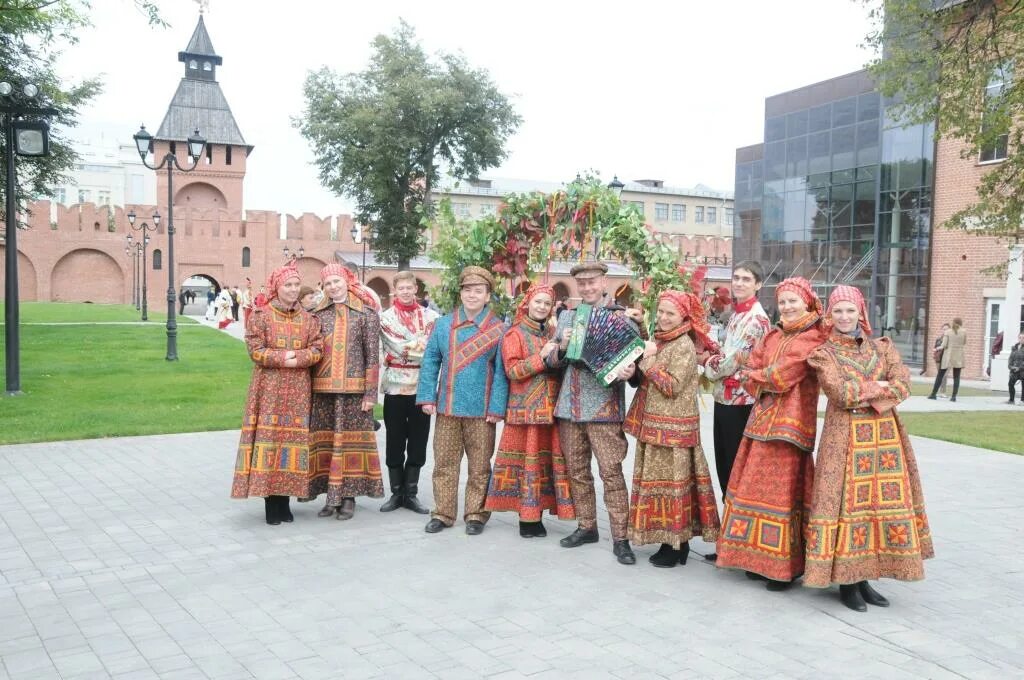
column 132, row 250
column 357, row 233
column 21, row 138
column 196, row 144
column 144, row 228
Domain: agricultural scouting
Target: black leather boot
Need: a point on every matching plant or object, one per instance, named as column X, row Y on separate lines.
column 579, row 537
column 270, row 508
column 623, row 552
column 284, row 510
column 412, row 487
column 397, row 479
column 666, row 557
column 872, row 596
column 851, row 597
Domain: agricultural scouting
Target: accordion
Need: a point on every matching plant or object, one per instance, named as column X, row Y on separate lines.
column 604, row 341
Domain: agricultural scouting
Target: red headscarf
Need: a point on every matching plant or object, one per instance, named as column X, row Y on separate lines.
column 692, row 310
column 523, row 310
column 278, row 277
column 849, row 294
column 354, row 286
column 801, row 287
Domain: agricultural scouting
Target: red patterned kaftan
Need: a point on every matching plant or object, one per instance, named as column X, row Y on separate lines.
column 766, row 503
column 529, row 474
column 867, row 517
column 273, row 452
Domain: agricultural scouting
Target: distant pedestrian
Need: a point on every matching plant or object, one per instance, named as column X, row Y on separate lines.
column 236, row 301
column 247, row 300
column 211, row 307
column 996, row 350
column 1016, row 365
column 952, row 345
column 182, row 299
column 223, row 308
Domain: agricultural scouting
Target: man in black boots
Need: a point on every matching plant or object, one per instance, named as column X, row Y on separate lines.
column 404, row 329
column 746, row 329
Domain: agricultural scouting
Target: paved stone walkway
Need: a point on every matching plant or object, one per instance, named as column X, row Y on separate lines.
column 125, row 558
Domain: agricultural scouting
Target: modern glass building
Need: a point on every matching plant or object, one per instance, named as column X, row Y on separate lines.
column 840, row 194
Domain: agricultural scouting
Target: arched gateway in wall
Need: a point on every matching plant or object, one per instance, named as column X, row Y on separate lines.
column 87, row 275
column 27, row 289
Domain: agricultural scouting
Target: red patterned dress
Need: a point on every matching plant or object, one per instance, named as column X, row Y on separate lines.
column 529, row 474
column 273, row 452
column 672, row 498
column 766, row 503
column 867, row 517
column 343, row 445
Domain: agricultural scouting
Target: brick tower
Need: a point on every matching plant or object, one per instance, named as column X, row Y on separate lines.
column 199, row 104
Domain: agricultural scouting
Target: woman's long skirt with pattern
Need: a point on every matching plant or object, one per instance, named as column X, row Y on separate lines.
column 273, row 451
column 766, row 509
column 672, row 499
column 529, row 474
column 343, row 448
column 867, row 518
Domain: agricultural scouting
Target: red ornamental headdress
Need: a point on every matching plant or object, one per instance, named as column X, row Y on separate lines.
column 801, row 287
column 278, row 277
column 536, row 289
column 354, row 286
column 849, row 294
column 691, row 309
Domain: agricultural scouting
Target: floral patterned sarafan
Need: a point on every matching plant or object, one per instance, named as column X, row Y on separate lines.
column 867, row 517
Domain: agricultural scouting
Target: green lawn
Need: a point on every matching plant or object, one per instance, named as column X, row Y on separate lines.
column 56, row 312
column 87, row 381
column 923, row 390
column 997, row 430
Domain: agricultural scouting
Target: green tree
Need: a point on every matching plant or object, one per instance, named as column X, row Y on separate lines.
column 33, row 33
column 380, row 136
column 958, row 63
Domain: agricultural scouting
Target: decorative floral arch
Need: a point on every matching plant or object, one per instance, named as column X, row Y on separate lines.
column 584, row 221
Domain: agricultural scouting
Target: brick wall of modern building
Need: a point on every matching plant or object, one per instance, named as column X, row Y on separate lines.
column 957, row 285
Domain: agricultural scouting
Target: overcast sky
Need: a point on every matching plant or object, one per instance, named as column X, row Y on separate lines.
column 663, row 90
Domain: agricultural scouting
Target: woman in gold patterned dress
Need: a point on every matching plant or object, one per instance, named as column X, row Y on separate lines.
column 273, row 454
column 867, row 518
column 672, row 498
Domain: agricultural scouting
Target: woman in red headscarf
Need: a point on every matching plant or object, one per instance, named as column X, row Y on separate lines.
column 529, row 474
column 672, row 498
column 867, row 518
column 766, row 503
column 273, row 454
column 343, row 445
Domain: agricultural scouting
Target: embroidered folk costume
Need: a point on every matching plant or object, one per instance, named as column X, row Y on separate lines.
column 529, row 474
column 867, row 517
column 273, row 451
column 342, row 440
column 766, row 502
column 404, row 329
column 590, row 416
column 463, row 380
column 743, row 333
column 672, row 498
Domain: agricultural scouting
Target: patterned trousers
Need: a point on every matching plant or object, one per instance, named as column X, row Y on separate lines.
column 607, row 443
column 452, row 436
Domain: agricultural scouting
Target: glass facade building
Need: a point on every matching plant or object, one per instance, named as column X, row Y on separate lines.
column 840, row 194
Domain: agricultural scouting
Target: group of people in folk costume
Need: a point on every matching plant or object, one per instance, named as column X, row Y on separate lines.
column 854, row 515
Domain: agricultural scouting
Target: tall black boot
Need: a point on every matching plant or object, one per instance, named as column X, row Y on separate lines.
column 397, row 480
column 284, row 511
column 412, row 484
column 270, row 508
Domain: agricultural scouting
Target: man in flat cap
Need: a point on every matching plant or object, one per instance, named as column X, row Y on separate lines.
column 462, row 381
column 590, row 417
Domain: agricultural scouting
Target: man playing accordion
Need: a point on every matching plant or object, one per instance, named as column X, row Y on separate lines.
column 590, row 416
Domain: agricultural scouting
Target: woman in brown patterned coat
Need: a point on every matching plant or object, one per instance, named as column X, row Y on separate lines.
column 672, row 498
column 867, row 518
column 343, row 445
column 273, row 454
